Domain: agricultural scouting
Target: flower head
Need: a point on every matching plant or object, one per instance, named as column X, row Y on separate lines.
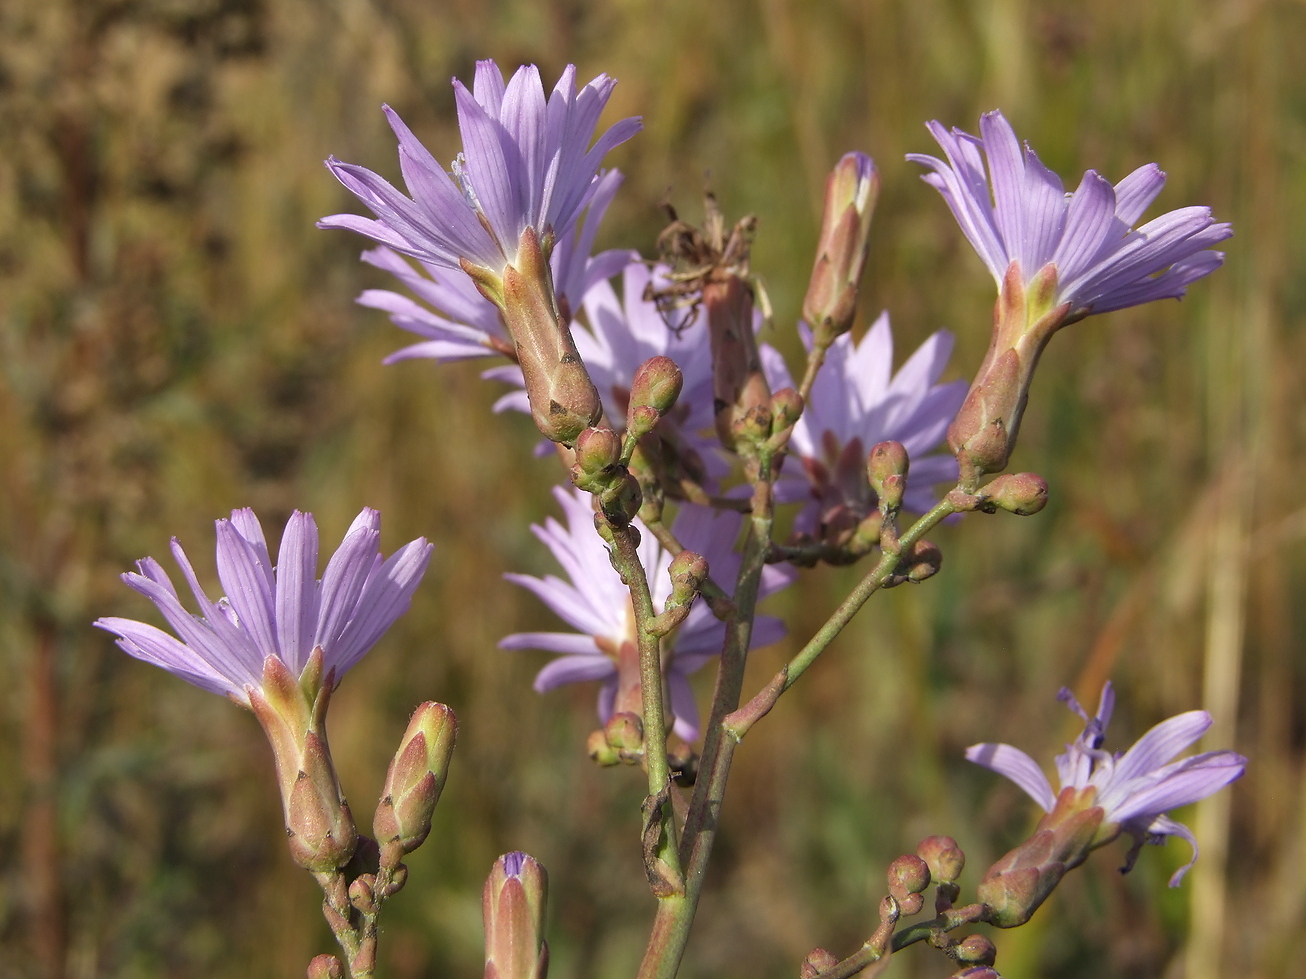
column 857, row 402
column 453, row 317
column 283, row 613
column 1100, row 261
column 1133, row 789
column 526, row 163
column 596, row 604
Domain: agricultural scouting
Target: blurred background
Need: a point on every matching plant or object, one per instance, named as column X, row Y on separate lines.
column 176, row 339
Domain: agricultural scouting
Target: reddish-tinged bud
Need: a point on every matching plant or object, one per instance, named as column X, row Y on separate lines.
column 656, row 384
column 976, row 950
column 739, row 389
column 625, row 731
column 513, row 905
column 850, row 193
column 564, row 401
column 977, row 972
column 415, row 780
column 319, row 827
column 362, row 893
column 909, row 874
column 885, row 461
column 1020, row 493
column 983, row 434
column 641, row 419
column 922, row 561
column 818, row 960
column 786, row 407
column 943, row 856
column 325, row 967
column 1015, row 886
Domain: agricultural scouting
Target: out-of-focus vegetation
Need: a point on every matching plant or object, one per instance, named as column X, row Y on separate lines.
column 176, row 339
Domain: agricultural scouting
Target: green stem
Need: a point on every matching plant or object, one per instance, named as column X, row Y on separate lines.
column 715, row 596
column 626, row 552
column 748, row 715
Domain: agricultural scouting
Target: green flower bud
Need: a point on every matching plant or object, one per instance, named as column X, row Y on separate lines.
column 943, row 856
column 415, row 780
column 1020, row 493
column 818, row 960
column 850, row 193
column 976, row 950
column 513, row 905
column 656, row 385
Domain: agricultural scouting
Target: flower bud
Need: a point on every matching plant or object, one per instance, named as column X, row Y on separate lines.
column 688, row 570
column 620, row 500
column 740, row 393
column 818, row 960
column 977, row 972
column 362, row 893
column 319, row 827
column 513, row 905
column 656, row 384
column 850, row 193
column 1020, row 493
column 625, row 731
column 886, row 471
column 325, row 967
column 600, row 752
column 922, row 561
column 564, row 401
column 976, row 950
column 786, row 407
column 598, row 450
column 909, row 874
column 943, row 856
column 641, row 419
column 1015, row 886
column 415, row 779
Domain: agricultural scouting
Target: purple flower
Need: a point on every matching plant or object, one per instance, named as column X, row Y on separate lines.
column 1133, row 789
column 596, row 604
column 1101, row 263
column 858, row 402
column 285, row 613
column 461, row 323
column 526, row 163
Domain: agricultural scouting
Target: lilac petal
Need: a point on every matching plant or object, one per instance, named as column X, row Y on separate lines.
column 1089, row 220
column 1044, row 214
column 1165, row 826
column 1017, row 766
column 1136, row 192
column 1178, row 785
column 1007, row 170
column 153, row 645
column 573, row 669
column 607, row 699
column 248, row 587
column 492, row 166
column 488, row 87
column 342, row 583
column 570, row 643
column 385, row 597
column 564, row 601
column 296, row 590
column 1162, row 743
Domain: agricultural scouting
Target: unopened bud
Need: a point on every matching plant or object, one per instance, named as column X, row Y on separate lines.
column 319, row 827
column 909, row 874
column 625, row 731
column 416, row 778
column 818, row 960
column 923, row 560
column 753, row 426
column 513, row 905
column 688, row 570
column 325, row 967
column 621, row 500
column 656, row 384
column 943, row 856
column 564, row 401
column 885, row 461
column 976, row 950
column 362, row 893
column 1020, row 493
column 598, row 450
column 786, row 407
column 850, row 193
column 641, row 419
column 977, row 972
column 600, row 752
